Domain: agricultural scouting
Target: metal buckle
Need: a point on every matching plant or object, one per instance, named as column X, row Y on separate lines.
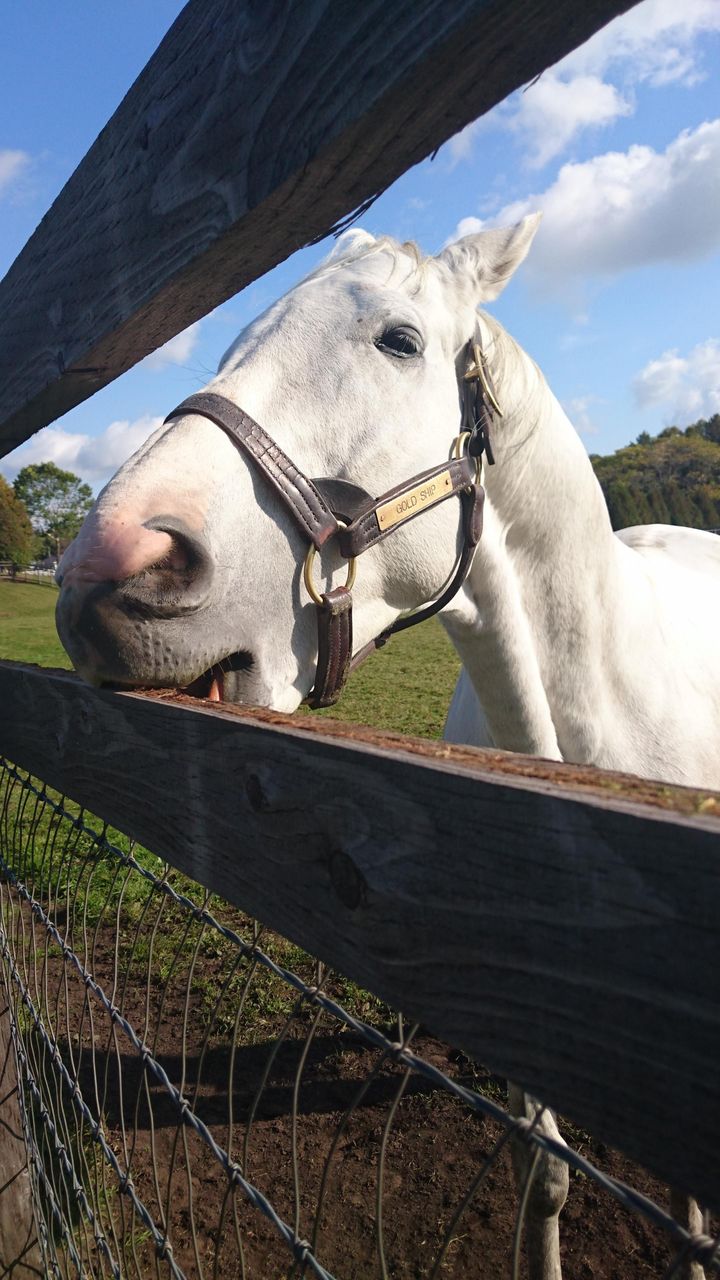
column 307, row 571
column 478, row 371
column 458, row 449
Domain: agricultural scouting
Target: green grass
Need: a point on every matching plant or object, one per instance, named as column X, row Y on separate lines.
column 27, row 624
column 405, row 687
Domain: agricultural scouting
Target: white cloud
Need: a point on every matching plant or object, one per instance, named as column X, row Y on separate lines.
column 578, row 411
column 625, row 209
column 460, row 147
column 580, row 335
column 687, row 387
column 177, row 351
column 12, row 165
column 655, row 44
column 466, row 227
column 94, row 458
column 553, row 111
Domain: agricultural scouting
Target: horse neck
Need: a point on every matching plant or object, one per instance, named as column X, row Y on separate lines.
column 545, row 571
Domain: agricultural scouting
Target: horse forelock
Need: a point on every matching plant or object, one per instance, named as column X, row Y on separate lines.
column 355, row 247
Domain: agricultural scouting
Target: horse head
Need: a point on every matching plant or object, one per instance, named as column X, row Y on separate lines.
column 190, row 565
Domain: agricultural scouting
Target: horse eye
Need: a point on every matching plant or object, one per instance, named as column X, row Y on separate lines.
column 401, row 342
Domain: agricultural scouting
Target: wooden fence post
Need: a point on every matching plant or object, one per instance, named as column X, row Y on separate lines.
column 20, row 1256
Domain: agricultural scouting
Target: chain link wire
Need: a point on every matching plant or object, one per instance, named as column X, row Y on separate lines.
column 200, row 1098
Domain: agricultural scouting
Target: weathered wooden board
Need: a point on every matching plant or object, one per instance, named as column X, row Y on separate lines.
column 252, row 129
column 20, row 1257
column 563, row 935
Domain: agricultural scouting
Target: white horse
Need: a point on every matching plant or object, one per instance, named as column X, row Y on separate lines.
column 577, row 644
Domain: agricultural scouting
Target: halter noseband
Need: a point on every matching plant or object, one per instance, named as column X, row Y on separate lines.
column 328, row 508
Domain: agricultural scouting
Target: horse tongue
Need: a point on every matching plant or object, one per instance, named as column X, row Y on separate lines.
column 215, row 692
column 210, row 686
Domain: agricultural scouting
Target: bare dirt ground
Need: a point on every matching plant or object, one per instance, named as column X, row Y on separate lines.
column 434, row 1149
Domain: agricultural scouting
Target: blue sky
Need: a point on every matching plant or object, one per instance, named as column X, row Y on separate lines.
column 619, row 145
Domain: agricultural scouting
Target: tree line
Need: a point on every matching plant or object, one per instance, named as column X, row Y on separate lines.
column 41, row 512
column 671, row 478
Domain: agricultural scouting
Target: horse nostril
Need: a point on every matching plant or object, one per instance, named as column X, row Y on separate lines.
column 179, row 581
column 179, row 557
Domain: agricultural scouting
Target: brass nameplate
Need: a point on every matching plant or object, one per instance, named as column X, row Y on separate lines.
column 407, row 504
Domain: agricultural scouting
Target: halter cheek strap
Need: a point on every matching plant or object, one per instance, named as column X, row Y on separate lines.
column 331, row 507
column 299, row 494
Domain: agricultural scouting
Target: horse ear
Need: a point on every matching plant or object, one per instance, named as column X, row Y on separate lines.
column 486, row 260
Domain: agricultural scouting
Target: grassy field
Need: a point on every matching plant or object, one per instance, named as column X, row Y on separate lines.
column 406, row 686
column 27, row 624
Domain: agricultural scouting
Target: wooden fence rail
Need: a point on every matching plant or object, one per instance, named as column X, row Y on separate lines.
column 556, row 923
column 250, row 132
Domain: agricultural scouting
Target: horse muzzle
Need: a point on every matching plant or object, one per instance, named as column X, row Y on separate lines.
column 126, row 600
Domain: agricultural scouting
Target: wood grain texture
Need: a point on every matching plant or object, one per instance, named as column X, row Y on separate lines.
column 253, row 128
column 20, row 1257
column 568, row 942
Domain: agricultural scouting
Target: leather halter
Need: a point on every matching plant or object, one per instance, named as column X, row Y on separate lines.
column 326, row 508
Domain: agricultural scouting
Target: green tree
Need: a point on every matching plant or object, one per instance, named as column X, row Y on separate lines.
column 659, row 510
column 671, row 478
column 621, row 506
column 712, row 429
column 682, row 507
column 57, row 502
column 709, row 505
column 16, row 534
column 643, row 510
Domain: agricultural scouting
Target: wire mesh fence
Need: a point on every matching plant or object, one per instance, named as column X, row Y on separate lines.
column 201, row 1098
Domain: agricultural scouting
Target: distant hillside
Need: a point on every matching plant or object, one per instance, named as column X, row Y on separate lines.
column 672, row 478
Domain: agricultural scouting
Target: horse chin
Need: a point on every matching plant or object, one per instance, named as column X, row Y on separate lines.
column 113, row 642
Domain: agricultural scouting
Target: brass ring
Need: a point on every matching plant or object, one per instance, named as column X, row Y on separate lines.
column 458, row 444
column 483, row 379
column 307, row 570
column 458, row 449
